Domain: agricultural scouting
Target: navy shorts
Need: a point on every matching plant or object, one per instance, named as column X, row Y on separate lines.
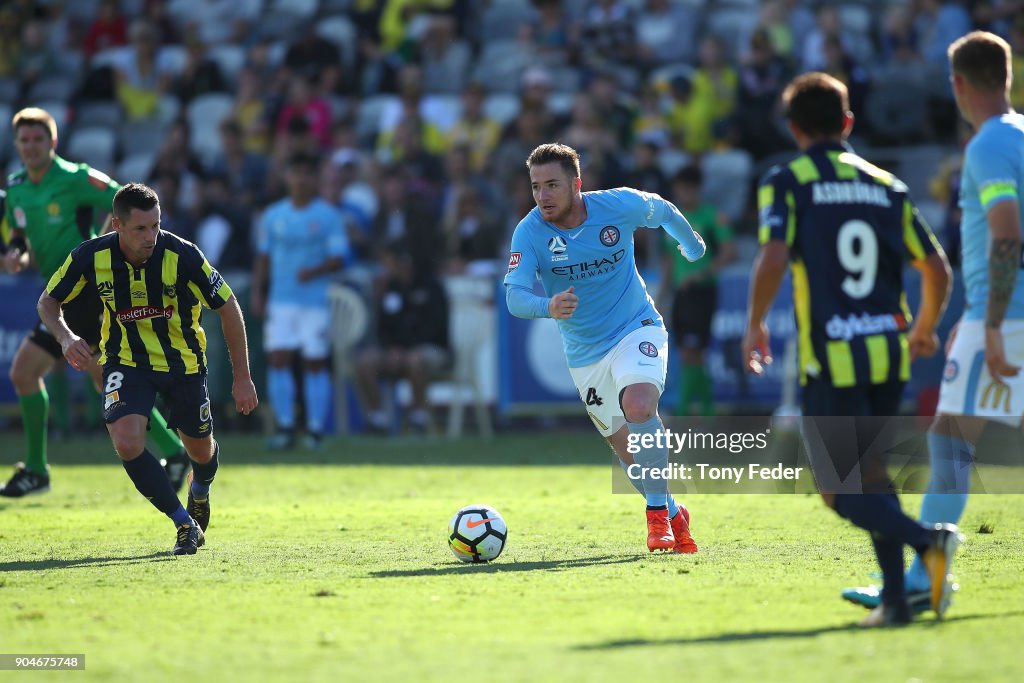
column 83, row 314
column 131, row 391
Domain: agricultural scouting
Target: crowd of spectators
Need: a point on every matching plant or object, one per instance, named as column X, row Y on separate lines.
column 422, row 111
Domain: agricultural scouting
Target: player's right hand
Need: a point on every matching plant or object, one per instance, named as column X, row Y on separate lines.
column 12, row 261
column 995, row 356
column 922, row 343
column 757, row 354
column 76, row 351
column 562, row 305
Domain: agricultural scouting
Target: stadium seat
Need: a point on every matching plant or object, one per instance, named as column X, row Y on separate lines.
column 113, row 57
column 98, row 114
column 95, row 146
column 500, row 65
column 670, row 160
column 5, row 127
column 10, row 88
column 135, row 168
column 372, row 111
column 733, row 25
column 897, row 110
column 727, row 176
column 500, row 21
column 350, row 320
column 472, row 325
column 340, row 31
column 168, row 109
column 207, row 111
column 230, row 59
column 140, row 137
column 441, row 110
column 59, row 88
column 303, row 9
column 502, row 107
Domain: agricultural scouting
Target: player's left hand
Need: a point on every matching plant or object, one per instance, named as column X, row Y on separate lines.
column 922, row 343
column 995, row 356
column 757, row 354
column 305, row 275
column 76, row 351
column 244, row 393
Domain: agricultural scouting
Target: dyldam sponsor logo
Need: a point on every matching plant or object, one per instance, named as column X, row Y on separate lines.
column 142, row 312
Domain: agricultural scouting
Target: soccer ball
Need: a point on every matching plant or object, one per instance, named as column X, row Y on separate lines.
column 477, row 533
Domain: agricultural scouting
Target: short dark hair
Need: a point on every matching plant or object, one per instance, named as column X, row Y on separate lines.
column 34, row 116
column 817, row 104
column 556, row 153
column 691, row 174
column 134, row 196
column 982, row 58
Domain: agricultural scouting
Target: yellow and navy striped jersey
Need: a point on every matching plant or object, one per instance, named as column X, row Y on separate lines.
column 151, row 313
column 850, row 228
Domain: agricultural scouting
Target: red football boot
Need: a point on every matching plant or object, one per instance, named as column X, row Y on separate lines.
column 681, row 531
column 659, row 531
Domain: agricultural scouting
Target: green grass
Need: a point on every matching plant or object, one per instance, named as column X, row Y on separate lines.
column 334, row 567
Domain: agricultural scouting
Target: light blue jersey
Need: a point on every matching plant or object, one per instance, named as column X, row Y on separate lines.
column 993, row 172
column 295, row 239
column 597, row 259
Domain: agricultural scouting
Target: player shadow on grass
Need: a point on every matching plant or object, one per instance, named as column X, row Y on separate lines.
column 35, row 565
column 505, row 566
column 723, row 638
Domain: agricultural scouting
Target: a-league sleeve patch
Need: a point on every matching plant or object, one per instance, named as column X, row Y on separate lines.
column 513, row 260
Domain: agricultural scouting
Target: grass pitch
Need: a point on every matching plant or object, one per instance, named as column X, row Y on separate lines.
column 334, row 567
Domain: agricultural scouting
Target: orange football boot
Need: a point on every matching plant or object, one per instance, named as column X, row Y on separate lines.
column 681, row 531
column 659, row 531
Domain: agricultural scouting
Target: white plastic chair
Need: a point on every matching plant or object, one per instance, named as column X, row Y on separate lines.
column 471, row 325
column 350, row 320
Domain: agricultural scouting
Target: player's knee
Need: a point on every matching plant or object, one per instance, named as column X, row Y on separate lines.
column 128, row 446
column 637, row 410
column 24, row 379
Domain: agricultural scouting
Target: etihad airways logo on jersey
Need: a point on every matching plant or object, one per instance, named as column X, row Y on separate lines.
column 586, row 269
column 850, row 193
column 858, row 325
column 136, row 313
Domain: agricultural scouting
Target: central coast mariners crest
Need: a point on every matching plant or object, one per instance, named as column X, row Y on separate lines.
column 557, row 247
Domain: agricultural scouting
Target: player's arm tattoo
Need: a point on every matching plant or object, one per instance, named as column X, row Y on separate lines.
column 1003, row 264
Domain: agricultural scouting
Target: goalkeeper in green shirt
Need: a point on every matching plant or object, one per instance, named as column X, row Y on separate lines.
column 51, row 204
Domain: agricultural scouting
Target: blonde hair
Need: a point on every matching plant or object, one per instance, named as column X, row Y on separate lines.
column 34, row 116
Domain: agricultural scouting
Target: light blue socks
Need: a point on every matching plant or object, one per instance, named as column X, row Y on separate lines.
column 951, row 463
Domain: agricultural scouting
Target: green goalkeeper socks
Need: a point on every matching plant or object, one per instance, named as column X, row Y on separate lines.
column 34, row 411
